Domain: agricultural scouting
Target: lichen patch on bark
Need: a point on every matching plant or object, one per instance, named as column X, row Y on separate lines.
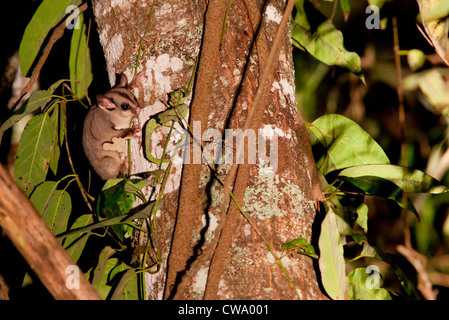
column 269, row 197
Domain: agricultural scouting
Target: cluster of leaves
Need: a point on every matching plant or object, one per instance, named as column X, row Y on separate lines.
column 324, row 42
column 431, row 82
column 355, row 166
column 45, row 134
column 352, row 166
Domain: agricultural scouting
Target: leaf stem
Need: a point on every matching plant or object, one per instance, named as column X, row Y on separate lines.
column 224, row 22
column 139, row 52
column 84, row 194
column 259, row 233
column 401, row 113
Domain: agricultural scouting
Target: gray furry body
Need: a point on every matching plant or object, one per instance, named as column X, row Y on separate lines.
column 107, row 126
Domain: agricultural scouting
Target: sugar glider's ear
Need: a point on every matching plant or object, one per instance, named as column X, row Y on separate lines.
column 137, row 81
column 105, row 103
column 123, row 81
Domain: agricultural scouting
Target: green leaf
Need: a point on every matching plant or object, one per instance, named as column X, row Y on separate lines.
column 359, row 238
column 339, row 143
column 433, row 85
column 362, row 217
column 150, row 127
column 43, row 194
column 383, row 188
column 103, row 289
column 58, row 211
column 55, row 149
column 117, row 202
column 346, row 8
column 345, row 5
column 80, row 64
column 424, row 232
column 163, row 118
column 101, row 275
column 177, row 112
column 127, row 287
column 172, row 114
column 111, row 183
column 101, row 272
column 410, row 181
column 54, row 206
column 361, row 288
column 74, row 244
column 331, row 261
column 291, row 245
column 56, row 85
column 435, row 18
column 110, row 273
column 325, row 44
column 301, row 246
column 390, row 182
column 47, row 16
column 177, row 97
column 34, row 152
column 134, row 185
column 141, row 212
column 378, row 3
column 367, row 252
column 404, row 271
column 37, row 100
column 416, row 59
column 344, row 206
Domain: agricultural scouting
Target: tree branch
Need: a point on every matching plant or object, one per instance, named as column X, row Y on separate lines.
column 56, row 35
column 43, row 252
column 419, row 262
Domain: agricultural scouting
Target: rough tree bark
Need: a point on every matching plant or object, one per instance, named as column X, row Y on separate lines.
column 43, row 252
column 230, row 259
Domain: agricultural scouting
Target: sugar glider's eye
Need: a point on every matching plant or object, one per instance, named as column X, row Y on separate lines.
column 125, row 107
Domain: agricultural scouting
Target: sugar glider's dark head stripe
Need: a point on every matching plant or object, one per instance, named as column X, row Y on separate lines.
column 122, row 92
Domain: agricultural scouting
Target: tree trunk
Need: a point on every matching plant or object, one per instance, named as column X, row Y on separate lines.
column 213, row 251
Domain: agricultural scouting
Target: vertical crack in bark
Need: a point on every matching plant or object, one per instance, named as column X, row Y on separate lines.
column 190, row 203
column 178, row 288
column 230, row 219
column 253, row 120
column 194, row 264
